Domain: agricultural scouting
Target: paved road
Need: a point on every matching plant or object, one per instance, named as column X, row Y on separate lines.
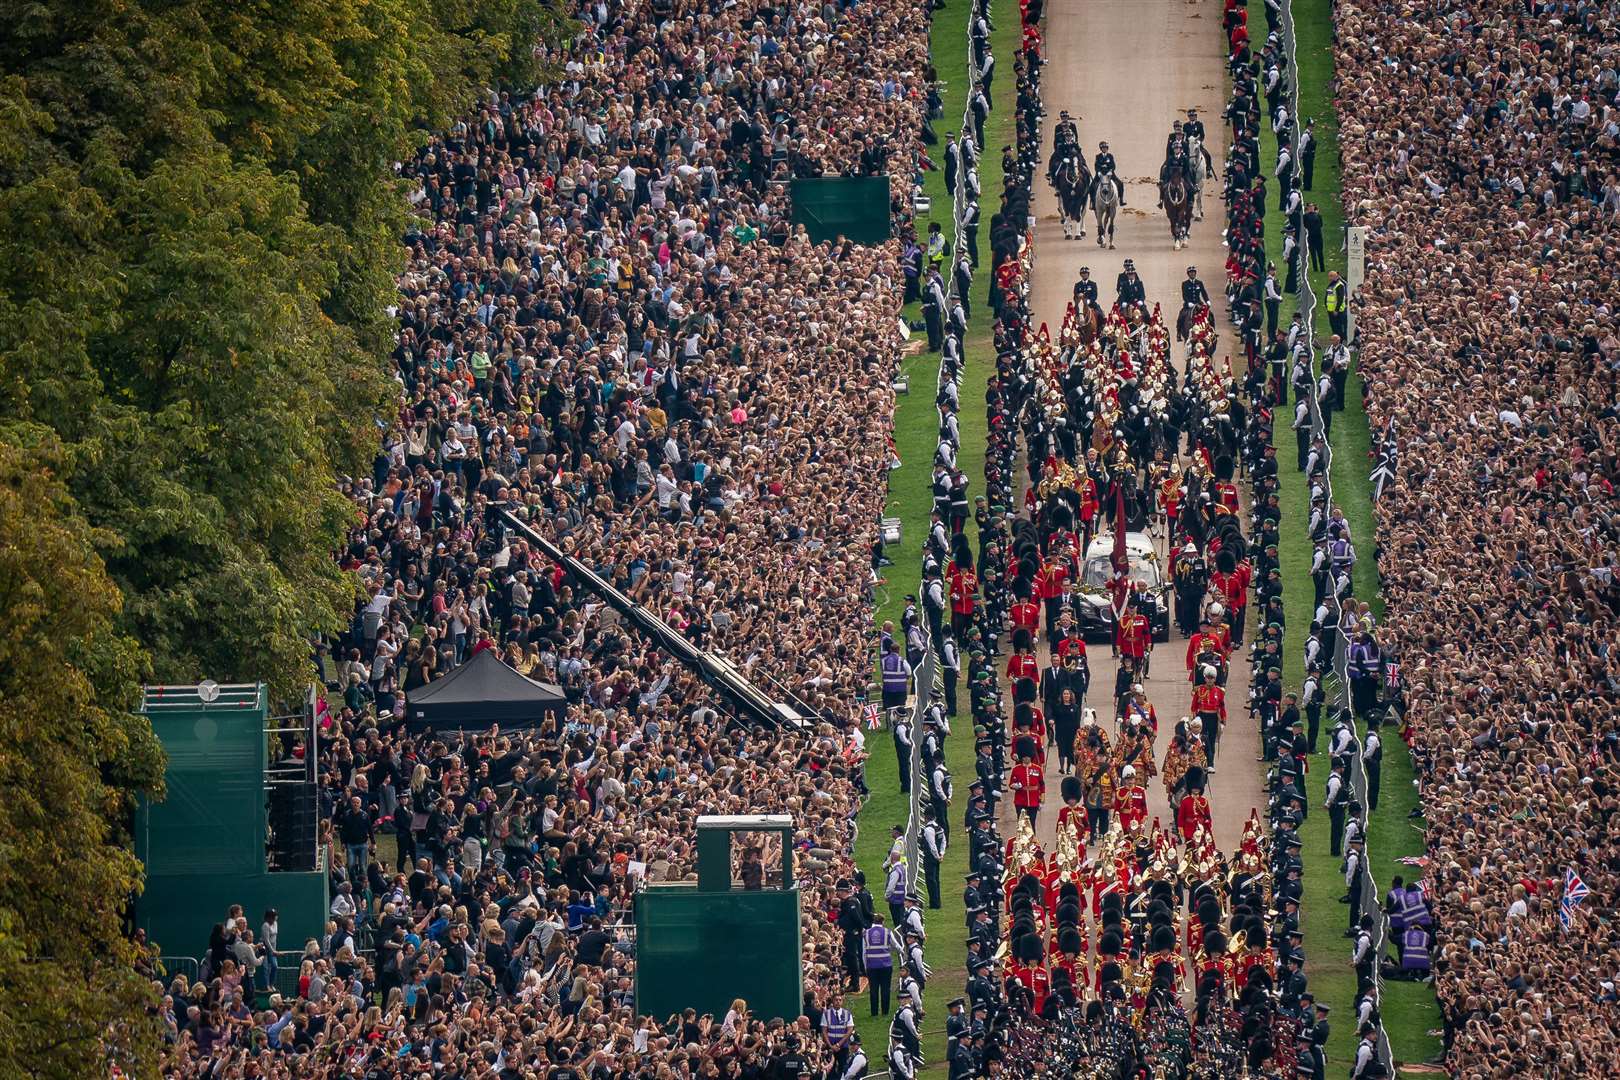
column 1126, row 70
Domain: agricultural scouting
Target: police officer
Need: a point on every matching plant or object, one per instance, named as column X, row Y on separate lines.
column 1352, row 881
column 933, row 852
column 905, row 1044
column 790, row 1064
column 1128, row 287
column 1103, row 168
column 1307, row 153
column 1085, row 290
column 1194, row 129
column 933, row 309
column 950, row 665
column 1336, row 304
column 852, row 1063
column 1364, row 955
column 1372, row 763
column 901, row 730
column 1337, row 802
column 939, row 793
column 1193, row 292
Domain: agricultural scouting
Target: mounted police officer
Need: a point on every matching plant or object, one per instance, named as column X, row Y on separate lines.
column 1193, row 128
column 1085, row 290
column 1103, row 168
column 1175, row 157
column 1193, row 292
column 1128, row 286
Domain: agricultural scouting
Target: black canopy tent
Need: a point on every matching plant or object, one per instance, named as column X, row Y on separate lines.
column 481, row 692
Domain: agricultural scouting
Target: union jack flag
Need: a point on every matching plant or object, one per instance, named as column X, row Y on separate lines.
column 1575, row 891
column 873, row 716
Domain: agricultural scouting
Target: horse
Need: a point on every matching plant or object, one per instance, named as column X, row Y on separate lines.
column 1089, row 323
column 1177, row 194
column 1073, row 183
column 1105, row 203
column 1197, row 173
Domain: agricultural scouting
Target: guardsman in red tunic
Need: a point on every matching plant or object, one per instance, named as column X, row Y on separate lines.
column 1130, row 800
column 1170, row 500
column 1206, row 638
column 1087, row 489
column 1049, row 584
column 1029, row 788
column 1232, row 587
column 1022, row 665
column 1026, row 616
column 1134, row 640
column 1209, row 705
column 964, row 594
column 1193, row 813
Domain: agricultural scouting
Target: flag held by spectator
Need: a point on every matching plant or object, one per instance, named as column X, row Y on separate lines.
column 1574, row 892
column 1384, row 471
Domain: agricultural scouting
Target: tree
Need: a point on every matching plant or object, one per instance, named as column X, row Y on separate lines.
column 199, row 237
column 199, row 234
column 70, row 755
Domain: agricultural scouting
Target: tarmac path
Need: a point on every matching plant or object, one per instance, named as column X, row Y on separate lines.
column 1125, row 70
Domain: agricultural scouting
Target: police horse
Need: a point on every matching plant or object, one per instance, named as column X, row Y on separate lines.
column 1105, row 204
column 1073, row 182
column 1176, row 192
column 1197, row 172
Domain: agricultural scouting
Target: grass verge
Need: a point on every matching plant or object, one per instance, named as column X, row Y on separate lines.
column 1409, row 1010
column 910, row 499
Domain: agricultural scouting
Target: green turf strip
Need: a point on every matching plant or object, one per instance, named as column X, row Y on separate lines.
column 1409, row 1010
column 910, row 499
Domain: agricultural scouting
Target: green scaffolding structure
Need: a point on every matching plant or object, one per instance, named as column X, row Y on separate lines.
column 204, row 845
column 702, row 944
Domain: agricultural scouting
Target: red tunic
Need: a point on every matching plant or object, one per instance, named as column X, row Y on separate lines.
column 1087, row 488
column 1074, row 645
column 1075, row 818
column 1231, row 588
column 1197, row 643
column 1130, row 803
column 1209, row 699
column 1022, row 666
column 1134, row 636
column 1028, row 785
column 1027, row 615
column 964, row 587
column 1193, row 812
column 1049, row 583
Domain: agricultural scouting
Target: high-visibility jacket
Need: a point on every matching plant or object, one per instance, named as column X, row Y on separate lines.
column 1335, row 297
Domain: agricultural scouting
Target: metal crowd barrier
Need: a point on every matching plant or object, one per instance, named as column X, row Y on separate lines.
column 1339, row 701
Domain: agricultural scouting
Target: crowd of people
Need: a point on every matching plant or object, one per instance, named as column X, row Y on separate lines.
column 610, row 326
column 1479, row 143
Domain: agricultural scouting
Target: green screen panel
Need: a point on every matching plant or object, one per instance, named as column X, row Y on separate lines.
column 702, row 950
column 211, row 819
column 855, row 207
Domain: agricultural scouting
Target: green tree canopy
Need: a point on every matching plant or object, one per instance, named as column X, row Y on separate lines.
column 199, row 235
column 70, row 750
column 199, row 232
